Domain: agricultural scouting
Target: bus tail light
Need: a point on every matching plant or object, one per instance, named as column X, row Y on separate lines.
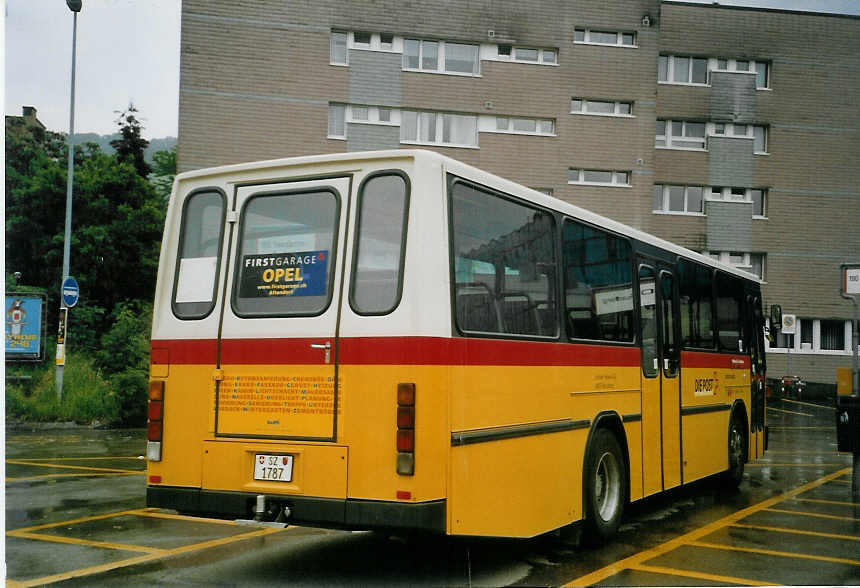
column 155, row 426
column 406, row 429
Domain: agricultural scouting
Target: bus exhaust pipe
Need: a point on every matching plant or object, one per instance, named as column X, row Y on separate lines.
column 276, row 514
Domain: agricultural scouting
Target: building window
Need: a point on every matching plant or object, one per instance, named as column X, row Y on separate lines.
column 597, row 177
column 752, row 263
column 683, row 69
column 519, row 126
column 600, row 107
column 338, row 48
column 676, row 134
column 589, row 36
column 454, row 130
column 756, row 196
column 832, row 335
column 337, row 121
column 440, row 57
column 675, row 69
column 386, row 41
column 526, row 55
column 361, row 40
column 678, row 199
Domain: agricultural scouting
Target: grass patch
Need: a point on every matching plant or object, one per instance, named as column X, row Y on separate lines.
column 87, row 395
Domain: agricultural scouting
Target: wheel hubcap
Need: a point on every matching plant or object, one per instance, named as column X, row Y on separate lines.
column 607, row 486
column 736, row 448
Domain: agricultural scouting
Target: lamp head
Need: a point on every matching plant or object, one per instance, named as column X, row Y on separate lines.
column 74, row 5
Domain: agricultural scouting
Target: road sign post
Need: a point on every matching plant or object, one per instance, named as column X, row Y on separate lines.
column 69, row 294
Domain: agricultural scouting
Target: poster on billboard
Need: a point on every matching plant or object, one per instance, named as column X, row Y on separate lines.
column 25, row 326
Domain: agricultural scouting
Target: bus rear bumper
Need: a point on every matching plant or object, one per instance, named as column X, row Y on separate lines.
column 335, row 513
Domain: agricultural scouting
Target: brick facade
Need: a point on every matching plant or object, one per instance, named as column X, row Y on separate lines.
column 256, row 83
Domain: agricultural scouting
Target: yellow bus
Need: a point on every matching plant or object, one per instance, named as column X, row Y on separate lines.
column 397, row 340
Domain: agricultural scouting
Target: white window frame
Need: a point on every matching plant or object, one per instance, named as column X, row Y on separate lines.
column 375, row 43
column 664, row 204
column 732, row 130
column 745, row 264
column 331, row 61
column 440, row 58
column 587, row 31
column 439, row 124
column 372, row 115
column 815, row 348
column 725, row 195
column 714, row 64
column 667, row 137
column 615, row 183
column 331, row 107
column 491, row 123
column 494, row 55
column 616, row 111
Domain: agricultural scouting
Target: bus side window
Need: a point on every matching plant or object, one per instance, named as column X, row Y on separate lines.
column 730, row 292
column 598, row 284
column 197, row 263
column 504, row 265
column 696, row 305
column 383, row 210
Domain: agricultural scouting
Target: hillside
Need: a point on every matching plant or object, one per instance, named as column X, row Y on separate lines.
column 103, row 141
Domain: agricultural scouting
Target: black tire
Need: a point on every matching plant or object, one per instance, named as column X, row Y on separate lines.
column 606, row 487
column 737, row 453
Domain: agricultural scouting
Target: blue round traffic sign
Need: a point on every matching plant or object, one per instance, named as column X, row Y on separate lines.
column 70, row 291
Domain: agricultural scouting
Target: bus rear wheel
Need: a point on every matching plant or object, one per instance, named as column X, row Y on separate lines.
column 737, row 448
column 605, row 487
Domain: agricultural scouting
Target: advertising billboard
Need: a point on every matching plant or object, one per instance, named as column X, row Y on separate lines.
column 25, row 326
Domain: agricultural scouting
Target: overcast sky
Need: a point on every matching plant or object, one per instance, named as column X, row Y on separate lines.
column 128, row 51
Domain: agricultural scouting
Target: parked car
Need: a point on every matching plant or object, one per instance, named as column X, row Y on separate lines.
column 792, row 387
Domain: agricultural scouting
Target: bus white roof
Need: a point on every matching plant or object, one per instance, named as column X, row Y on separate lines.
column 353, row 159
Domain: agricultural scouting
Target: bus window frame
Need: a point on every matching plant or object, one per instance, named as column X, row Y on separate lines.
column 715, row 347
column 335, row 243
column 740, row 287
column 407, row 201
column 634, row 282
column 178, row 257
column 451, row 182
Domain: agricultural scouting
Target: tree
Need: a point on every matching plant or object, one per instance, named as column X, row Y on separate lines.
column 131, row 145
column 163, row 171
column 117, row 223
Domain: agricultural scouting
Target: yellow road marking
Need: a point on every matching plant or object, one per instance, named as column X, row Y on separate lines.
column 764, row 464
column 811, row 514
column 802, row 428
column 77, row 521
column 87, row 542
column 642, row 556
column 78, row 475
column 13, row 584
column 164, row 515
column 142, row 558
column 838, row 502
column 789, row 411
column 797, row 531
column 700, row 575
column 66, row 467
column 851, row 562
column 808, row 404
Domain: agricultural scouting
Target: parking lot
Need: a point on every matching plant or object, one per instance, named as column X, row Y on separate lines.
column 75, row 513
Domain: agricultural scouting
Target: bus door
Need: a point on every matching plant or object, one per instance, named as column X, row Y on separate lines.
column 278, row 336
column 660, row 382
column 754, row 328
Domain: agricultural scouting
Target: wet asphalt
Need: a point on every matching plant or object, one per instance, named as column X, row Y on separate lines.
column 75, row 515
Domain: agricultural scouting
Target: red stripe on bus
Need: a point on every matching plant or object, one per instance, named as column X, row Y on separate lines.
column 184, row 351
column 400, row 351
column 703, row 359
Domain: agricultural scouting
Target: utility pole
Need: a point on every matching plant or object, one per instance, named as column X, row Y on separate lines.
column 75, row 7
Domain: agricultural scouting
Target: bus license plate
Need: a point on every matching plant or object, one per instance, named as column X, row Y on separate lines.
column 277, row 468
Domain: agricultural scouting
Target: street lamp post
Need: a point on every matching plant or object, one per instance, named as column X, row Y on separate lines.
column 75, row 7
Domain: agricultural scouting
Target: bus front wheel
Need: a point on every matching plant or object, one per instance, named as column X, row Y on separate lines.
column 605, row 486
column 737, row 448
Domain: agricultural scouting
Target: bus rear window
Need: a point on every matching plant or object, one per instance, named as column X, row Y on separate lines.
column 504, row 265
column 286, row 253
column 199, row 255
column 378, row 264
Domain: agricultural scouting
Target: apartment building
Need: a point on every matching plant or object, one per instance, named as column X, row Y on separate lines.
column 731, row 131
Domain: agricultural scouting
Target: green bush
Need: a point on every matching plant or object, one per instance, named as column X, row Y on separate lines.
column 87, row 397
